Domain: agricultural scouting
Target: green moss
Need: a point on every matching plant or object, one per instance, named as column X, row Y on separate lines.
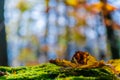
column 50, row 71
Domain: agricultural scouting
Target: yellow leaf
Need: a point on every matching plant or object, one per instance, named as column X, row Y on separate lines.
column 110, row 7
column 23, row 5
column 96, row 7
column 71, row 2
column 47, row 2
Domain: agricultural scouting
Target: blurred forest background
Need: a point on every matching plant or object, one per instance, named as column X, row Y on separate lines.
column 39, row 30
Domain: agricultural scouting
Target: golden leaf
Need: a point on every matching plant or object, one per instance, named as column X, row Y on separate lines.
column 97, row 7
column 110, row 7
column 116, row 64
column 71, row 2
column 23, row 5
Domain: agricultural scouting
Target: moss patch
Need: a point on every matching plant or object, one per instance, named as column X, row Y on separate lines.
column 51, row 71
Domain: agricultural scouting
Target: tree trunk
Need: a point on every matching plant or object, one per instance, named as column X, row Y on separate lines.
column 112, row 39
column 3, row 45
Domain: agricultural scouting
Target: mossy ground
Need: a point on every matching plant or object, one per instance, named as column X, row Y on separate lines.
column 50, row 71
